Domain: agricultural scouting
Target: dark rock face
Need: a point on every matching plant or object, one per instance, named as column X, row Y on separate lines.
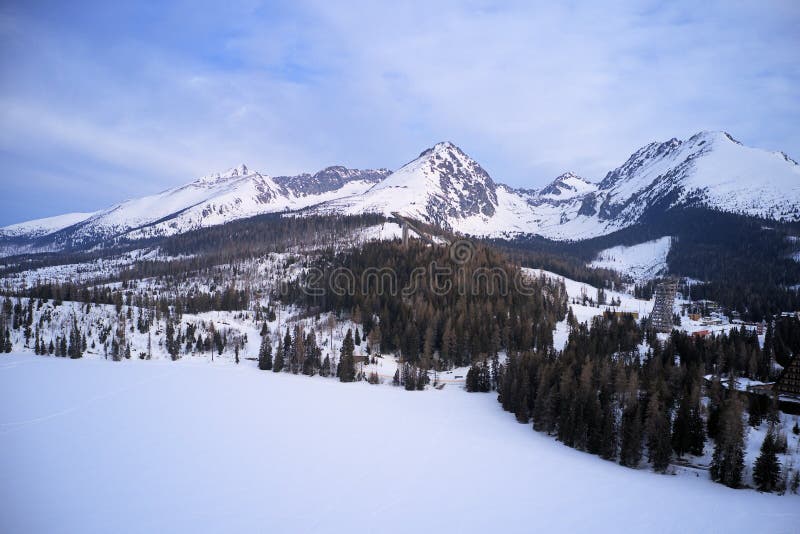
column 328, row 179
column 469, row 188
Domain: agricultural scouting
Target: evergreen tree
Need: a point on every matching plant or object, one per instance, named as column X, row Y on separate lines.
column 658, row 435
column 767, row 469
column 265, row 353
column 277, row 365
column 728, row 460
column 681, row 432
column 631, row 442
column 311, row 363
column 171, row 344
column 286, row 363
column 347, row 369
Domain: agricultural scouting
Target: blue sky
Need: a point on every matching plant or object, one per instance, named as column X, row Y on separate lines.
column 102, row 101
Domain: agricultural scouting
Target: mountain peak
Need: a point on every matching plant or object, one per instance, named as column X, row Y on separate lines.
column 232, row 173
column 566, row 186
column 442, row 147
column 441, row 186
column 241, row 170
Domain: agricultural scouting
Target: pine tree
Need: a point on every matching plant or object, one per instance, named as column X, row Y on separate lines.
column 767, row 469
column 681, row 433
column 311, row 361
column 631, row 443
column 658, row 435
column 287, row 351
column 278, row 364
column 172, row 345
column 728, row 460
column 265, row 353
column 697, row 433
column 347, row 369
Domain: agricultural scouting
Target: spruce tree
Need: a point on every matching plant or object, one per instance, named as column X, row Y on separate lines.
column 277, row 365
column 658, row 435
column 631, row 442
column 728, row 460
column 767, row 469
column 347, row 369
column 681, row 432
column 311, row 361
column 287, row 351
column 265, row 353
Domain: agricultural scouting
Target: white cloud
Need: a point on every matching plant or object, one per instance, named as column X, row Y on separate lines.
column 529, row 90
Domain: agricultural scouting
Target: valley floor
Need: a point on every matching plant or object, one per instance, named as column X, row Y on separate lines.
column 96, row 446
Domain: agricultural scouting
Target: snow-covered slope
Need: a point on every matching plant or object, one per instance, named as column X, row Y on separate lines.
column 644, row 261
column 567, row 186
column 190, row 446
column 443, row 186
column 709, row 169
column 207, row 201
column 39, row 227
column 210, row 200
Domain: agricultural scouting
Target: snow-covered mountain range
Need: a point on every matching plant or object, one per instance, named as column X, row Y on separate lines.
column 445, row 187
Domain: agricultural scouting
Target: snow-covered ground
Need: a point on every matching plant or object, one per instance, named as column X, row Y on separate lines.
column 576, row 291
column 641, row 262
column 95, row 446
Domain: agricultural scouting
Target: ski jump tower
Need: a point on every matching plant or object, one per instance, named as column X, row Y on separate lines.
column 407, row 225
column 662, row 309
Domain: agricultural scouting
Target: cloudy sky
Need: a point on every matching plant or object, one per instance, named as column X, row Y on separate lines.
column 100, row 102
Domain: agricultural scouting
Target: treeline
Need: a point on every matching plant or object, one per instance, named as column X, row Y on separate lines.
column 190, row 300
column 782, row 339
column 744, row 263
column 475, row 317
column 599, row 396
column 202, row 249
column 247, row 238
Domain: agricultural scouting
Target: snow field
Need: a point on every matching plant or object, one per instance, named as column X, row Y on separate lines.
column 94, row 446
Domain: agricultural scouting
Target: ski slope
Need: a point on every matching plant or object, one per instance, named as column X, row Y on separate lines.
column 156, row 446
column 641, row 262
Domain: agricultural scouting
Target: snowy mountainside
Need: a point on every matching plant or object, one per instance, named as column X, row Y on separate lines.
column 644, row 261
column 709, row 169
column 444, row 186
column 568, row 185
column 330, row 179
column 47, row 225
column 211, row 200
